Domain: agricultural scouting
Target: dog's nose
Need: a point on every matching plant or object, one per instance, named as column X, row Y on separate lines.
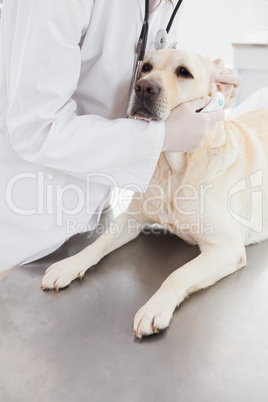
column 147, row 88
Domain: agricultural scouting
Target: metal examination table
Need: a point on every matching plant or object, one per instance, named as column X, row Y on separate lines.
column 78, row 345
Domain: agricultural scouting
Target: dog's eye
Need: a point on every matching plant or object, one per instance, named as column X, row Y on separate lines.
column 146, row 68
column 182, row 72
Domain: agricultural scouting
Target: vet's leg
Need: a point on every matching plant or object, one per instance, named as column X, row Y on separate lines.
column 214, row 263
column 121, row 231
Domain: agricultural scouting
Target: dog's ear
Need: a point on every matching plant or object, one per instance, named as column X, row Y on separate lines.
column 224, row 80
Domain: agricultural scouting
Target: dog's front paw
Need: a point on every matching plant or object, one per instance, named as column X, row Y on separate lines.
column 61, row 274
column 155, row 315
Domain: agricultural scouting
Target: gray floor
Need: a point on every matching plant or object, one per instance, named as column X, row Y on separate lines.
column 78, row 345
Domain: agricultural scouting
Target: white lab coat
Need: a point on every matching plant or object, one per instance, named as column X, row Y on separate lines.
column 66, row 67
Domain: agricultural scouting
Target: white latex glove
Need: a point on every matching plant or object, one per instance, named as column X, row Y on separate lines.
column 229, row 79
column 185, row 129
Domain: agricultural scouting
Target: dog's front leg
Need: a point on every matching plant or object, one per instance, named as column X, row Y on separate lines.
column 123, row 229
column 214, row 263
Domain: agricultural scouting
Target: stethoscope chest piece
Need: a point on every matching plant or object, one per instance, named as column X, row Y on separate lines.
column 160, row 39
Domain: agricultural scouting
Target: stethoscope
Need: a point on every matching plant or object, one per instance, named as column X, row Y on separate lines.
column 160, row 43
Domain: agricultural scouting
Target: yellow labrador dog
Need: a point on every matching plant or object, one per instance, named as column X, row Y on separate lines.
column 214, row 197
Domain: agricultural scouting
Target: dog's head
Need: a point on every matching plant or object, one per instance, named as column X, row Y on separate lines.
column 171, row 77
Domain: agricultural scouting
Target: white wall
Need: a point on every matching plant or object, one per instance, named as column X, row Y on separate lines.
column 210, row 26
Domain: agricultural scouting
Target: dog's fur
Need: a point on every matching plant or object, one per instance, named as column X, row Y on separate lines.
column 228, row 173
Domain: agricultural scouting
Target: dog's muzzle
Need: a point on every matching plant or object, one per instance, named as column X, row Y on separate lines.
column 145, row 100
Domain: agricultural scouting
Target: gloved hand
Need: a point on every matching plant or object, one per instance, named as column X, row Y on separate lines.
column 185, row 129
column 228, row 79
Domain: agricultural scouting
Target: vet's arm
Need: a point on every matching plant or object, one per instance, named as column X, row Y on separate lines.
column 42, row 120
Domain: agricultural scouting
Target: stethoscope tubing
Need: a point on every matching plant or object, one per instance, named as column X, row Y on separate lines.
column 141, row 46
column 170, row 22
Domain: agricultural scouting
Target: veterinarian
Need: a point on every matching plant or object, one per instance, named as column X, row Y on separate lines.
column 65, row 74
